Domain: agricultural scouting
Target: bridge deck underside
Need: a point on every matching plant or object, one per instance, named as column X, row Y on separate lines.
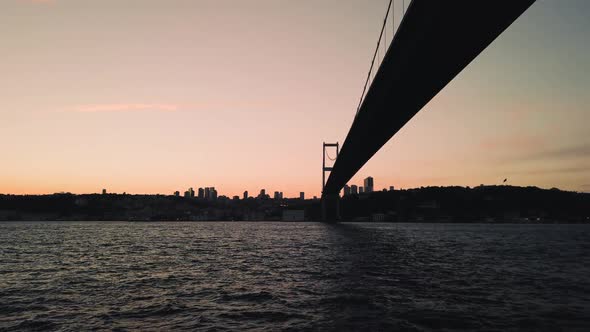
column 436, row 40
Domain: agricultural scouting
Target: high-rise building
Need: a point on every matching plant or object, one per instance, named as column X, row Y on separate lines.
column 201, row 193
column 262, row 194
column 302, row 196
column 207, row 193
column 346, row 190
column 281, row 195
column 368, row 185
column 104, row 191
column 277, row 195
column 177, row 193
column 246, row 194
column 354, row 189
column 391, row 188
column 361, row 190
column 191, row 192
column 213, row 193
column 187, row 194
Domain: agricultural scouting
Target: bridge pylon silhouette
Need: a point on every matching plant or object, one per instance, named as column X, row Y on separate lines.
column 330, row 203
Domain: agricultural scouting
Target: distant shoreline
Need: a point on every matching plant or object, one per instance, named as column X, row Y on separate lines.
column 482, row 204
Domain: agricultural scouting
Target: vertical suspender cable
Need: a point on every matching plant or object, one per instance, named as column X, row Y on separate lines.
column 374, row 56
column 394, row 18
column 385, row 31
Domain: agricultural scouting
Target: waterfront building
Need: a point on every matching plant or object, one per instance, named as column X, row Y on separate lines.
column 354, row 189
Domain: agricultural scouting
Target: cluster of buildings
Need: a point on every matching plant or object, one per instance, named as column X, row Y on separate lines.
column 209, row 193
column 248, row 208
column 368, row 187
column 354, row 189
column 278, row 195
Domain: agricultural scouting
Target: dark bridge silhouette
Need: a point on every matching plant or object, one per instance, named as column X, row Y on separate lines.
column 435, row 41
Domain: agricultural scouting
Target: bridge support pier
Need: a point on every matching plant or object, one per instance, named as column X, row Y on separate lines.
column 331, row 208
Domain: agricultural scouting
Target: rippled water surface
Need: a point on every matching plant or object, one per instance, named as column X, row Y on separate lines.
column 293, row 276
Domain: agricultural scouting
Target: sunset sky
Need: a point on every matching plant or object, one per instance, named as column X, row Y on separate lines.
column 153, row 96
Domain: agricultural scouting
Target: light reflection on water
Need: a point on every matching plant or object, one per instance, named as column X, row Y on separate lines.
column 280, row 276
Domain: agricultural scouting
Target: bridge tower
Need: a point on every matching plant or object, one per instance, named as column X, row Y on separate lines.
column 330, row 203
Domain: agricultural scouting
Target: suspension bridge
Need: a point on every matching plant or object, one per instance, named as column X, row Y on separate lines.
column 431, row 43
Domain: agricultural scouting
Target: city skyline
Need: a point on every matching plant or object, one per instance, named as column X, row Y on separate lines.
column 210, row 193
column 171, row 92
